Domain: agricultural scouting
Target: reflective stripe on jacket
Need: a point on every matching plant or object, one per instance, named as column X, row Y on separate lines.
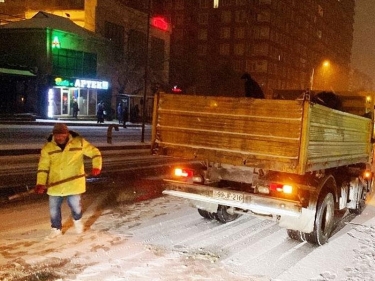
column 63, row 170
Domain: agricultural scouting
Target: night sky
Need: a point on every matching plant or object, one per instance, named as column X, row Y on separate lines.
column 363, row 52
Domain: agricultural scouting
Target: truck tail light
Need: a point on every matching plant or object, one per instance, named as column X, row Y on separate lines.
column 188, row 175
column 284, row 188
column 185, row 173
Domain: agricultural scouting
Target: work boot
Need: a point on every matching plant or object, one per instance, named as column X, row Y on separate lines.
column 78, row 225
column 54, row 234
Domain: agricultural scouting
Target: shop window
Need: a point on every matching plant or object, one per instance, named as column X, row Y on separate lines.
column 73, row 63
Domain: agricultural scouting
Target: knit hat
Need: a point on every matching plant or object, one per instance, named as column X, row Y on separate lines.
column 60, row 128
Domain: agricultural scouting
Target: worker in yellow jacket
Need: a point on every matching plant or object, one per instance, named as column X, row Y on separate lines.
column 61, row 174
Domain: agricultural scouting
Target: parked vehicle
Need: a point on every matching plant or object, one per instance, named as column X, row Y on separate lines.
column 291, row 161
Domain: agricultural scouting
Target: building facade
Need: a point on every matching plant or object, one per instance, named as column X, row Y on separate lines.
column 67, row 61
column 105, row 57
column 281, row 43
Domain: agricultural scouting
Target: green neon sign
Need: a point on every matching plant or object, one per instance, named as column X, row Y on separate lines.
column 82, row 83
column 56, row 42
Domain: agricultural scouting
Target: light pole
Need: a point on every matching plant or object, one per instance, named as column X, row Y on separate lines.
column 146, row 72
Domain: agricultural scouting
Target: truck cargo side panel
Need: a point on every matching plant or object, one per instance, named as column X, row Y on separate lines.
column 241, row 131
column 260, row 133
column 337, row 138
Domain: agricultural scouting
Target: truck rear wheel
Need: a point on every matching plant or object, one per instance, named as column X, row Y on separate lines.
column 223, row 215
column 324, row 220
column 207, row 214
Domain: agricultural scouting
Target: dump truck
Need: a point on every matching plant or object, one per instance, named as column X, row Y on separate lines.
column 295, row 162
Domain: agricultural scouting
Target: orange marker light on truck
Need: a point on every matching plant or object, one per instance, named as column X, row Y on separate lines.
column 183, row 172
column 367, row 175
column 285, row 188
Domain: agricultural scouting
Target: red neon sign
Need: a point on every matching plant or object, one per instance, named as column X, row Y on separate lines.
column 159, row 22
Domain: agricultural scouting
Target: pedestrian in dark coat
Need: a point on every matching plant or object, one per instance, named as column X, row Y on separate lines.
column 120, row 113
column 75, row 109
column 100, row 112
column 252, row 88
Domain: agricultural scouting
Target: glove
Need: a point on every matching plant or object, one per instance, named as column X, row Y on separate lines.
column 40, row 189
column 95, row 172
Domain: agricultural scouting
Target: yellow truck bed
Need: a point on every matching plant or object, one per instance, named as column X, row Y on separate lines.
column 293, row 136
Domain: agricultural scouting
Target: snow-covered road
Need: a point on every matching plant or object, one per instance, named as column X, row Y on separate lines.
column 166, row 239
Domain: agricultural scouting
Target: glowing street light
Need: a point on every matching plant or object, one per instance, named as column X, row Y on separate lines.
column 325, row 64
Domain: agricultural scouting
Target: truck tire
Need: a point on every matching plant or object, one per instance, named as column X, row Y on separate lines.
column 324, row 220
column 206, row 214
column 223, row 216
column 296, row 235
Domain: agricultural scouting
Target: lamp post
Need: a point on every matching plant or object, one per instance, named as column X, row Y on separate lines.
column 146, row 72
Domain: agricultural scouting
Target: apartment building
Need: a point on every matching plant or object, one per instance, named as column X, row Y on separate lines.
column 281, row 43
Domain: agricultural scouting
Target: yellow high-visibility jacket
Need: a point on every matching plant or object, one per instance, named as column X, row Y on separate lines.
column 63, row 171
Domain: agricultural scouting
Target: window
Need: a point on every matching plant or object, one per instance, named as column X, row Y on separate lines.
column 202, row 50
column 258, row 66
column 238, row 65
column 202, row 34
column 225, row 33
column 264, row 16
column 240, row 16
column 224, row 49
column 239, row 49
column 179, row 19
column 178, row 35
column 203, row 3
column 115, row 33
column 226, row 3
column 239, row 32
column 73, row 63
column 157, row 56
column 262, row 32
column 240, row 2
column 203, row 18
column 179, row 4
column 260, row 49
column 226, row 17
column 137, row 47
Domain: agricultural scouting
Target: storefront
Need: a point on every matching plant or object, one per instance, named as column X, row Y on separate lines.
column 65, row 91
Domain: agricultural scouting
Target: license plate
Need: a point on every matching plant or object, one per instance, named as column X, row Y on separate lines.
column 228, row 195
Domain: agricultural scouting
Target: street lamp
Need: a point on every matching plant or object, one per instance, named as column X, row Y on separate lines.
column 325, row 65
